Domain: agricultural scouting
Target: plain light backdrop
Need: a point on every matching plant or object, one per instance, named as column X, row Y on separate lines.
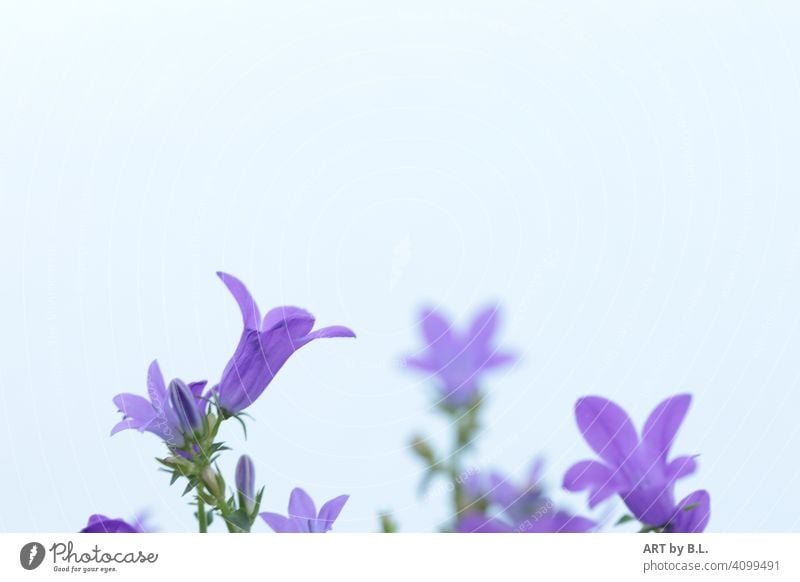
column 622, row 177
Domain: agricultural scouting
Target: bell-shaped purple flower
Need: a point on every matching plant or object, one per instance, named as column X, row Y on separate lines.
column 637, row 469
column 264, row 347
column 246, row 483
column 102, row 524
column 459, row 359
column 303, row 516
column 159, row 414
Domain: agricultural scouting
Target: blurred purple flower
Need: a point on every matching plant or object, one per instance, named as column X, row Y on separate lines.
column 511, row 508
column 264, row 347
column 459, row 359
column 158, row 415
column 303, row 516
column 102, row 524
column 636, row 468
column 515, row 502
column 548, row 521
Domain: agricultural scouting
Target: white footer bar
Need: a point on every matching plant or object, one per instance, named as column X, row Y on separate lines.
column 379, row 557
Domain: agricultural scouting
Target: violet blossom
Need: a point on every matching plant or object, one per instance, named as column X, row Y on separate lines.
column 459, row 359
column 508, row 508
column 303, row 516
column 168, row 413
column 495, row 489
column 102, row 524
column 264, row 347
column 638, row 469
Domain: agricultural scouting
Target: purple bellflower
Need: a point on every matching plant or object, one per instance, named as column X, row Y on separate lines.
column 459, row 359
column 303, row 516
column 168, row 413
column 513, row 509
column 264, row 347
column 638, row 469
column 102, row 524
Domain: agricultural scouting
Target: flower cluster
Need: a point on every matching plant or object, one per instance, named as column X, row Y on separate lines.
column 497, row 505
column 635, row 467
column 187, row 418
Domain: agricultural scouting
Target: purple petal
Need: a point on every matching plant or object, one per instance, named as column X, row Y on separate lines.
column 246, row 375
column 196, row 388
column 478, row 523
column 184, row 406
column 535, row 472
column 688, row 519
column 95, row 518
column 421, row 363
column 301, row 505
column 156, row 389
column 557, row 522
column 652, row 501
column 250, row 313
column 502, row 492
column 607, row 429
column 484, row 325
column 681, row 467
column 134, row 406
column 331, row 510
column 474, row 485
column 296, row 320
column 663, row 423
column 331, row 331
column 601, row 481
column 434, row 327
column 499, row 359
column 279, row 523
column 128, row 423
column 101, row 524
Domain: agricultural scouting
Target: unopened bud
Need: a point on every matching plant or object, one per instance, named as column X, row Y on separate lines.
column 212, row 481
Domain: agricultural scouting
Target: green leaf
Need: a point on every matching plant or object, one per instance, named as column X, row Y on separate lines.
column 240, row 519
column 624, row 519
column 190, row 485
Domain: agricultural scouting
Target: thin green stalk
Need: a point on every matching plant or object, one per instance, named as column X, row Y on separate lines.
column 201, row 510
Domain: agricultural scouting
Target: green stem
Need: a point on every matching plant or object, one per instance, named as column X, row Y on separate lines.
column 465, row 428
column 201, row 510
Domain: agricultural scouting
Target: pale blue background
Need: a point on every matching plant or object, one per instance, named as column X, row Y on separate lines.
column 623, row 176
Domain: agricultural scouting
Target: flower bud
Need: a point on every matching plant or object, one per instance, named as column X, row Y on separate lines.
column 211, row 481
column 246, row 483
column 185, row 408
